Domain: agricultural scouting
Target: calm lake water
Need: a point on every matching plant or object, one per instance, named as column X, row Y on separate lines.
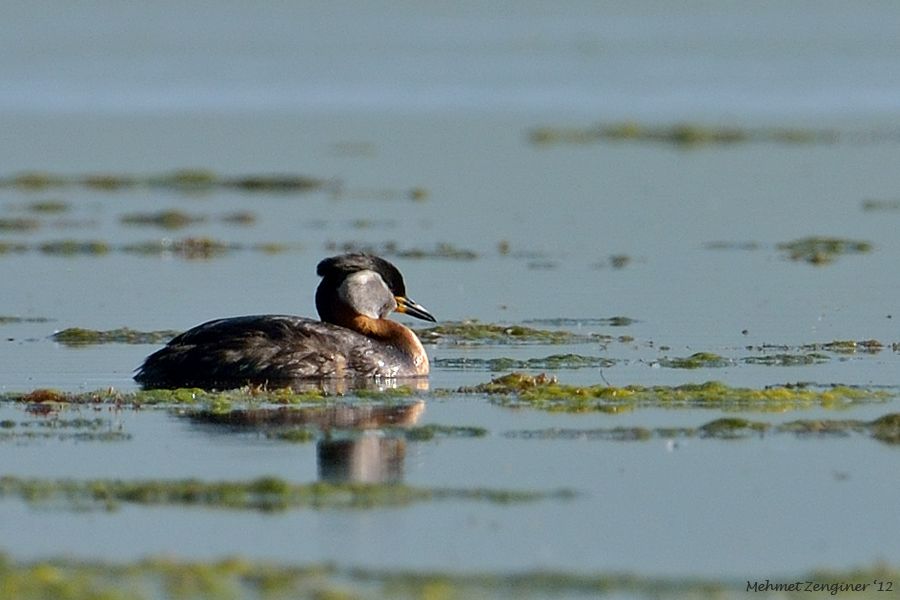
column 383, row 100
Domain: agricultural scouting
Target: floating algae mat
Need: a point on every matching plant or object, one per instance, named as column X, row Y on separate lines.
column 18, row 224
column 515, row 389
column 617, row 321
column 76, row 336
column 183, row 180
column 262, row 494
column 217, row 402
column 873, row 204
column 9, row 319
column 823, row 250
column 176, row 219
column 552, row 362
column 711, row 360
column 885, row 429
column 698, row 360
column 191, row 248
column 475, row 332
column 546, row 393
column 239, row 578
column 77, row 429
column 787, row 360
column 681, row 134
column 815, row 250
column 390, row 249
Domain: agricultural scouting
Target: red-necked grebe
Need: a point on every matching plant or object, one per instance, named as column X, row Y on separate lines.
column 354, row 339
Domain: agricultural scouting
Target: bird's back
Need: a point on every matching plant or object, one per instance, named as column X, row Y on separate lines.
column 269, row 349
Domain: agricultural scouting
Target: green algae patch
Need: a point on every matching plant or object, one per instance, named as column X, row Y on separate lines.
column 731, row 427
column 75, row 248
column 69, row 579
column 787, row 359
column 11, row 319
column 814, row 352
column 732, row 245
column 184, row 180
column 698, row 360
column 554, row 362
column 166, row 219
column 77, row 336
column 213, row 403
column 18, row 225
column 241, row 217
column 546, row 393
column 47, row 207
column 60, row 429
column 847, row 346
column 33, row 180
column 885, row 429
column 226, row 401
column 475, row 332
column 682, row 135
column 724, row 429
column 441, row 250
column 188, row 180
column 616, row 321
column 263, row 494
column 191, row 248
column 817, row 250
column 20, row 437
column 823, row 427
column 201, row 248
column 872, row 204
column 425, row 433
column 13, row 247
column 165, row 578
column 281, row 184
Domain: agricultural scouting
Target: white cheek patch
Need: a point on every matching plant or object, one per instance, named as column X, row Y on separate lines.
column 366, row 292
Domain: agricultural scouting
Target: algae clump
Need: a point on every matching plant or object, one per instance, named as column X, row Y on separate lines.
column 553, row 362
column 546, row 393
column 231, row 578
column 77, row 336
column 819, row 250
column 885, row 429
column 471, row 332
column 696, row 361
column 75, row 247
column 263, row 494
column 682, row 135
column 167, row 219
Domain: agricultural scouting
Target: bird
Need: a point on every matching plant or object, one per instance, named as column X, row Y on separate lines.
column 354, row 339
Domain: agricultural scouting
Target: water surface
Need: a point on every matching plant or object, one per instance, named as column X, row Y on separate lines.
column 380, row 102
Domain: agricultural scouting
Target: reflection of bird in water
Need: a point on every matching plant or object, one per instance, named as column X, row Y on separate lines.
column 366, row 458
column 350, row 447
column 354, row 339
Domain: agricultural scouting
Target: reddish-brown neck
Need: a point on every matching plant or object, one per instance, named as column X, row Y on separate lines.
column 393, row 333
column 384, row 330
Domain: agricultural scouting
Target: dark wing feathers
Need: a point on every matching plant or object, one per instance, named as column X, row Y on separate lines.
column 262, row 349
